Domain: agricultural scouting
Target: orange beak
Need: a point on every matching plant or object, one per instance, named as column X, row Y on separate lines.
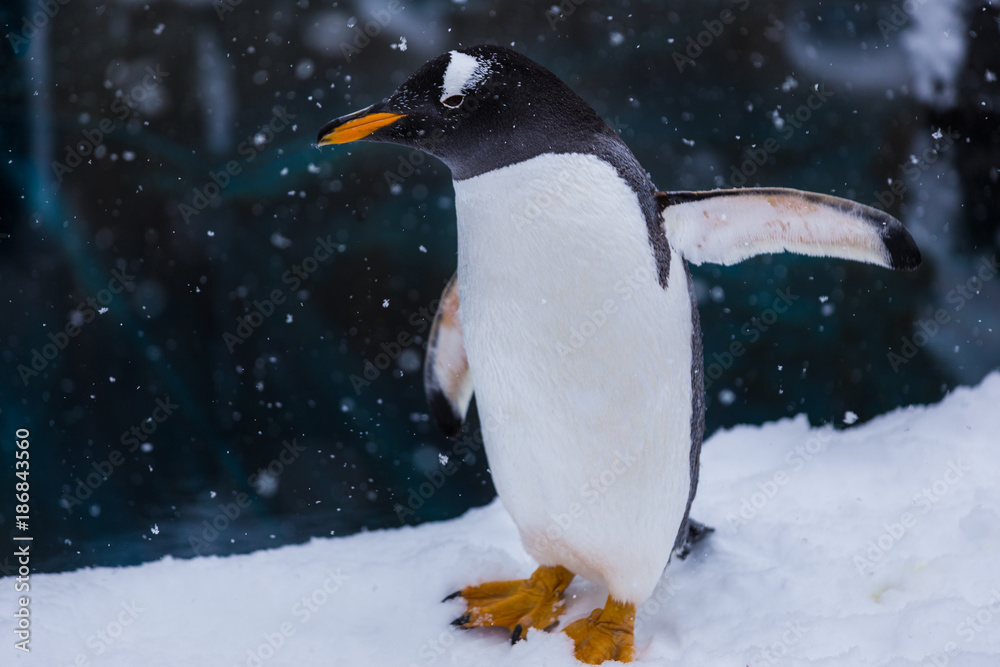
column 352, row 127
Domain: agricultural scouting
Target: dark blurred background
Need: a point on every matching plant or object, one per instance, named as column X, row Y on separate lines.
column 159, row 161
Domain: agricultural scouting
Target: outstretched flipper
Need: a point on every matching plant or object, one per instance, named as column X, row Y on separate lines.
column 728, row 226
column 447, row 380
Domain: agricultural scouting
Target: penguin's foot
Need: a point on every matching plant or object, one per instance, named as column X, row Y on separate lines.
column 607, row 634
column 516, row 605
column 695, row 533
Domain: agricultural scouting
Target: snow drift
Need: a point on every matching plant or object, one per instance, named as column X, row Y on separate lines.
column 877, row 545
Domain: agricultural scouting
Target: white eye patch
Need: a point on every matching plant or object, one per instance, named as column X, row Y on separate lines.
column 463, row 72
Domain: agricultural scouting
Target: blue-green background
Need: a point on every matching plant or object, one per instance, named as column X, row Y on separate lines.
column 365, row 451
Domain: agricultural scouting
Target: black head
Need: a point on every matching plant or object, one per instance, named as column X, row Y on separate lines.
column 477, row 109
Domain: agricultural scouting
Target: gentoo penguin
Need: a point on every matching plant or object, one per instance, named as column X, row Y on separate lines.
column 572, row 317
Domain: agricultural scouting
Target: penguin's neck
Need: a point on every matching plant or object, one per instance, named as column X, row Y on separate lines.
column 557, row 221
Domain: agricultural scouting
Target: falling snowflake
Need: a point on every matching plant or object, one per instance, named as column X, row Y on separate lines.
column 279, row 240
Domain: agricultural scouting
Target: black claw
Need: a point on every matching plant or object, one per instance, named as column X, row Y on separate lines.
column 462, row 620
column 452, row 596
column 516, row 636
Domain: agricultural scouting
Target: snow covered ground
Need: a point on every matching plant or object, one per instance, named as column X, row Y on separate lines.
column 874, row 545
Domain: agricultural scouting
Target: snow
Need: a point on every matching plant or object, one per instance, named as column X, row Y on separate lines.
column 874, row 545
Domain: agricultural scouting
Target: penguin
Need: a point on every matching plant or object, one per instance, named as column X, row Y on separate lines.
column 573, row 319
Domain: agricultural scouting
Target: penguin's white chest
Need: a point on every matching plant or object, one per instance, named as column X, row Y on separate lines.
column 584, row 362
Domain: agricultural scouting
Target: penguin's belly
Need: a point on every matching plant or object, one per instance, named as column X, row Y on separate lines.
column 583, row 361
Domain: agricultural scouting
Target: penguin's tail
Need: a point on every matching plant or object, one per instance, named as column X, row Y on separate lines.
column 696, row 532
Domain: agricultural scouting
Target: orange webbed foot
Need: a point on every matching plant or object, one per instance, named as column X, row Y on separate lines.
column 607, row 634
column 516, row 605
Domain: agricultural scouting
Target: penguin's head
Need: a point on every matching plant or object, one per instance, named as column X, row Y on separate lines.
column 475, row 109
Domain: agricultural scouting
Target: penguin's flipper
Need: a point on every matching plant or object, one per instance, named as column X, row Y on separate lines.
column 447, row 380
column 728, row 226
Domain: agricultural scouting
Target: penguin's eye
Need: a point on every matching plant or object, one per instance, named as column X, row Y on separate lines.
column 453, row 101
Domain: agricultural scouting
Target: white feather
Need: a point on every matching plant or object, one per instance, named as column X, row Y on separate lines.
column 571, row 338
column 730, row 226
column 463, row 72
